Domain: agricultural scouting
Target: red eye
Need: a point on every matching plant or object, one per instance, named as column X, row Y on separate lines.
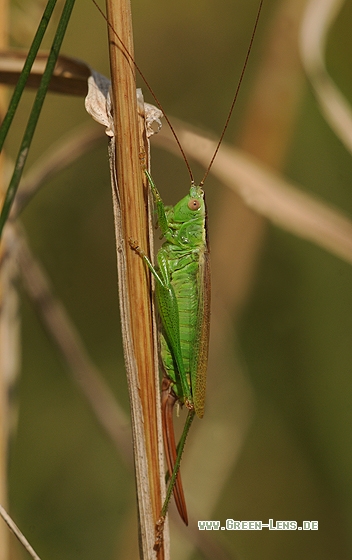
column 193, row 204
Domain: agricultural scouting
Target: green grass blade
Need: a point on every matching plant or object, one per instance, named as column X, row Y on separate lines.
column 36, row 109
column 32, row 53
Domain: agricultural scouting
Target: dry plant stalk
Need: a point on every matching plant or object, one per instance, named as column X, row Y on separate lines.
column 18, row 534
column 130, row 210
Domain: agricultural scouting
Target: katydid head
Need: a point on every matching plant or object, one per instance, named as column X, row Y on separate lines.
column 188, row 217
column 191, row 207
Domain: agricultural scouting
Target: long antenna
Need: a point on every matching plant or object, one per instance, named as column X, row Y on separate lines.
column 130, row 57
column 236, row 94
column 128, row 54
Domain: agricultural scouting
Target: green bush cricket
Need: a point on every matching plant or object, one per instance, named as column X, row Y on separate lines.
column 182, row 290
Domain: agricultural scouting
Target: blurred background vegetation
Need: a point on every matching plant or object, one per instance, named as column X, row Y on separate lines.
column 281, row 396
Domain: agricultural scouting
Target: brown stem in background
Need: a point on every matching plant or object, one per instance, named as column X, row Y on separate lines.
column 18, row 533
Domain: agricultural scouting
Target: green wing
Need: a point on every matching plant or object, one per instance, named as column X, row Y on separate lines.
column 200, row 361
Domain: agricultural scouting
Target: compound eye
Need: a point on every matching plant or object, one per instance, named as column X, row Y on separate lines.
column 193, row 204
